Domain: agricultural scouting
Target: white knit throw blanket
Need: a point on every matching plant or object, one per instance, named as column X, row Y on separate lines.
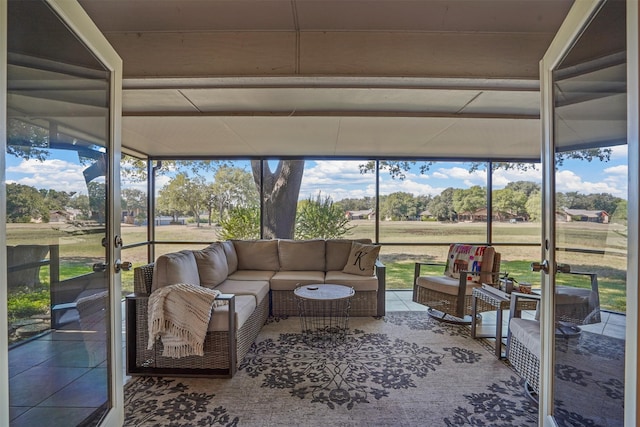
column 179, row 315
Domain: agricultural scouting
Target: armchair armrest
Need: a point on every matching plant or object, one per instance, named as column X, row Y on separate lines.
column 515, row 296
column 418, row 268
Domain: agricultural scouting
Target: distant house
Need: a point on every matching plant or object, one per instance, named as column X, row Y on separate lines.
column 481, row 215
column 59, row 216
column 364, row 214
column 426, row 214
column 586, row 215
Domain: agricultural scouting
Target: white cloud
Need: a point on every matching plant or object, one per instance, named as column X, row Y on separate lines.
column 619, row 152
column 617, row 170
column 55, row 174
column 503, row 177
column 567, row 180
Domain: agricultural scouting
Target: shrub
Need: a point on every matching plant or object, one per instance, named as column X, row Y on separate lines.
column 240, row 223
column 320, row 219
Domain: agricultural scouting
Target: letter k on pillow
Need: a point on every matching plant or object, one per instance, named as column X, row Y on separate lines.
column 362, row 259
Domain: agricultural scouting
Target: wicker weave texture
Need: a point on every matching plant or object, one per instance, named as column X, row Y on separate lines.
column 526, row 363
column 363, row 304
column 142, row 279
column 440, row 301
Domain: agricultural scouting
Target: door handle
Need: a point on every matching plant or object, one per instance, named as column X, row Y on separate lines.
column 122, row 265
column 544, row 266
column 99, row 267
column 540, row 266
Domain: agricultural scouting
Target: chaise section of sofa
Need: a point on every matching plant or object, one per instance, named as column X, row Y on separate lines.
column 232, row 327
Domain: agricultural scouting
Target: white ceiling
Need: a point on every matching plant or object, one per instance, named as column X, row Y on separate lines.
column 322, row 78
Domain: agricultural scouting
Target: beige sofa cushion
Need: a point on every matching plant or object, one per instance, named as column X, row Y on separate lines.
column 445, row 285
column 359, row 283
column 173, row 268
column 212, row 265
column 258, row 288
column 232, row 257
column 301, row 255
column 362, row 259
column 245, row 275
column 289, row 280
column 257, row 254
column 337, row 252
column 245, row 306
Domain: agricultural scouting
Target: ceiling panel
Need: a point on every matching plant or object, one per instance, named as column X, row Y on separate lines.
column 140, row 101
column 197, row 76
column 329, row 100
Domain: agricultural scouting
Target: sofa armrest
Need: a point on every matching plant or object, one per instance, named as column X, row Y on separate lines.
column 143, row 279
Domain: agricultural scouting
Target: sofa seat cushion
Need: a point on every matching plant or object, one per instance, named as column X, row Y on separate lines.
column 444, row 284
column 289, row 280
column 173, row 268
column 245, row 306
column 257, row 254
column 258, row 288
column 357, row 282
column 301, row 255
column 243, row 275
column 527, row 332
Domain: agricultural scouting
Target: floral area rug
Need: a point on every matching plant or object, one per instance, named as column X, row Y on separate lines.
column 589, row 378
column 401, row 370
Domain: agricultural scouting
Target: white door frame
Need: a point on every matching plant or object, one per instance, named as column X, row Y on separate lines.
column 83, row 27
column 579, row 15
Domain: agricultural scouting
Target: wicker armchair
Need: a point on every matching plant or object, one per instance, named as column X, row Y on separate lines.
column 523, row 345
column 449, row 297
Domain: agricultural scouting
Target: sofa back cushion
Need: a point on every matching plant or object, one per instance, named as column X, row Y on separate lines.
column 362, row 259
column 301, row 255
column 470, row 258
column 232, row 257
column 173, row 268
column 212, row 265
column 337, row 252
column 257, row 254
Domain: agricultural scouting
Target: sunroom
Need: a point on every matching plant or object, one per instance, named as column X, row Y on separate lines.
column 427, row 117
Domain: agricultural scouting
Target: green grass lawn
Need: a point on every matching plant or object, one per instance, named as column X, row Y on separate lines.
column 79, row 252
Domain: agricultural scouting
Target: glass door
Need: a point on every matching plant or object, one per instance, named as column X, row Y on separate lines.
column 64, row 333
column 585, row 164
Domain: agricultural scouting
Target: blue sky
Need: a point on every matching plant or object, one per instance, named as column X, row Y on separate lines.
column 342, row 179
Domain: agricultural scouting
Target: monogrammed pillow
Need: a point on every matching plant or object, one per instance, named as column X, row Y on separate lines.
column 362, row 259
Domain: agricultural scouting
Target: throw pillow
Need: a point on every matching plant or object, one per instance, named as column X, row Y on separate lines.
column 465, row 258
column 362, row 259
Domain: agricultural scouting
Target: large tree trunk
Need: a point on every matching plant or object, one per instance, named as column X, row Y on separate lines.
column 281, row 189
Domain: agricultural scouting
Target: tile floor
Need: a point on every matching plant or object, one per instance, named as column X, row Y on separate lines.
column 54, row 380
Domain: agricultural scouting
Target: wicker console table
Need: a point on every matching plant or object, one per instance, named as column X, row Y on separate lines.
column 485, row 300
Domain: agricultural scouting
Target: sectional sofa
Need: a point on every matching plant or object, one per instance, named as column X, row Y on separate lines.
column 257, row 278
